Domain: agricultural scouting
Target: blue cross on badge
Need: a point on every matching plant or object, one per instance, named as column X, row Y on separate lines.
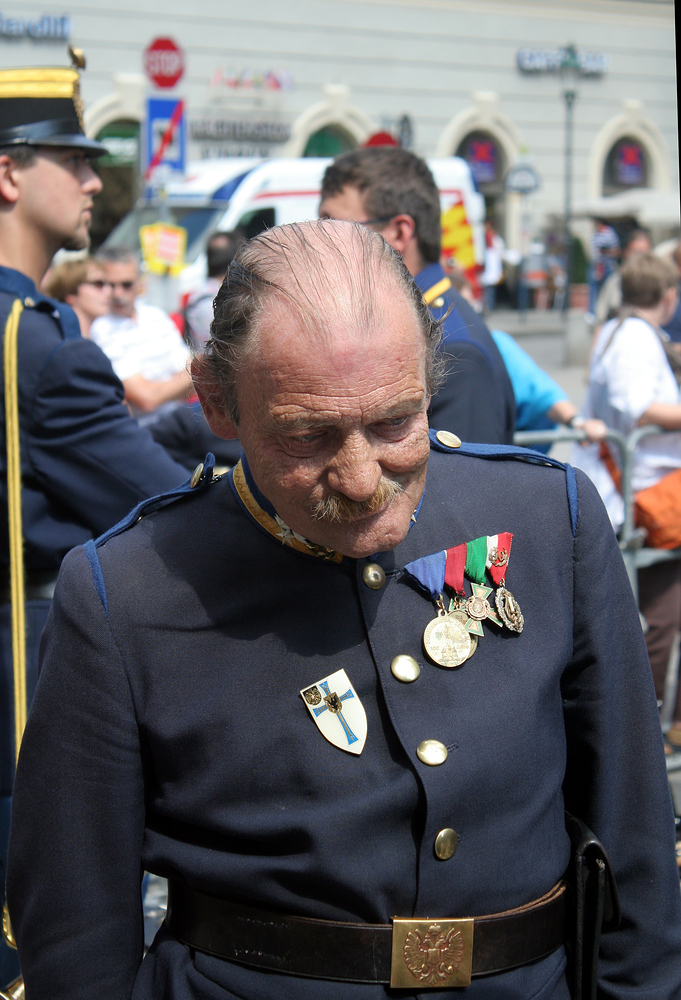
column 339, row 717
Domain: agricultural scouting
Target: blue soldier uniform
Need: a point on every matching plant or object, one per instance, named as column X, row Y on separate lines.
column 85, row 463
column 175, row 656
column 476, row 401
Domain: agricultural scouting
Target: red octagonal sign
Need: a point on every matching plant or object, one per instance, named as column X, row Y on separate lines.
column 164, row 62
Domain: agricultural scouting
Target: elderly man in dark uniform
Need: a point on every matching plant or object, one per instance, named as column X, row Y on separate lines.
column 82, row 461
column 393, row 191
column 341, row 708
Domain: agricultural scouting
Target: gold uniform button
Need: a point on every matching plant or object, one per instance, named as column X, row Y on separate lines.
column 431, row 752
column 405, row 668
column 448, row 439
column 29, row 302
column 438, row 302
column 196, row 475
column 446, row 844
column 373, row 576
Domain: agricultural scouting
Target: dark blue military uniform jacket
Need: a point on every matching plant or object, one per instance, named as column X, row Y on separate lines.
column 476, row 400
column 84, row 461
column 173, row 659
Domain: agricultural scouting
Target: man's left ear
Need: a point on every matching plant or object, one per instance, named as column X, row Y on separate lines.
column 399, row 232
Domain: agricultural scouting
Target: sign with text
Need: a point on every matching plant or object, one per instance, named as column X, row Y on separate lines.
column 163, row 247
column 164, row 62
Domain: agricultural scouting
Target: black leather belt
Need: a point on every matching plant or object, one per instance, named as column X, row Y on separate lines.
column 38, row 585
column 416, row 954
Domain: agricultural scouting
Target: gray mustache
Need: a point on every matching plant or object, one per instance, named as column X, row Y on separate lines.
column 340, row 509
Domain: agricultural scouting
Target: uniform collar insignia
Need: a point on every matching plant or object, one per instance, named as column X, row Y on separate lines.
column 263, row 513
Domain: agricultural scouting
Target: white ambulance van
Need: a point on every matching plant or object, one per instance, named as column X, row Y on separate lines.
column 221, row 195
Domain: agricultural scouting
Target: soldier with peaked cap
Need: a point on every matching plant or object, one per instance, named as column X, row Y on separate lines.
column 83, row 461
column 293, row 692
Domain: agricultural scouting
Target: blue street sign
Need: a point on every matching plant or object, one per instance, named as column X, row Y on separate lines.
column 161, row 113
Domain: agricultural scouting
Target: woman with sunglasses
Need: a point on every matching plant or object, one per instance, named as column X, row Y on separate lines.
column 83, row 286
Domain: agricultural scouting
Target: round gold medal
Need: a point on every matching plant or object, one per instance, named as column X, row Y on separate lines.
column 463, row 618
column 447, row 641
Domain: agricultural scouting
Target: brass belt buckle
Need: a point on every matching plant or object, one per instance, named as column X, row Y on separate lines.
column 430, row 954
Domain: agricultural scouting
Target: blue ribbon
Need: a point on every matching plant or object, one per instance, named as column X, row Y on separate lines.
column 429, row 572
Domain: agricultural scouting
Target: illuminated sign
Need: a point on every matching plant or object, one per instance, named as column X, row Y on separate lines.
column 555, row 60
column 40, row 29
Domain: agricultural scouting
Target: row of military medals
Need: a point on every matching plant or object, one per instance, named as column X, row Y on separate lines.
column 452, row 637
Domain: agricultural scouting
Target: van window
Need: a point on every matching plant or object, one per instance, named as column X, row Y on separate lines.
column 256, row 221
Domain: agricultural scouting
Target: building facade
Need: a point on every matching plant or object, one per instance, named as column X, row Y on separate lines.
column 445, row 77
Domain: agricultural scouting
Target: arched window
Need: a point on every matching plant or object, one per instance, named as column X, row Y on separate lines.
column 119, row 170
column 329, row 141
column 626, row 166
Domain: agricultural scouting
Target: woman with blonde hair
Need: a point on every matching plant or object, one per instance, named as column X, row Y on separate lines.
column 82, row 285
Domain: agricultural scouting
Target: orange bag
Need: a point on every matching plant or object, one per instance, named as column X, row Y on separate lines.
column 658, row 510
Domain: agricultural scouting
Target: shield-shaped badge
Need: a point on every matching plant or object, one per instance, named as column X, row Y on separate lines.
column 334, row 705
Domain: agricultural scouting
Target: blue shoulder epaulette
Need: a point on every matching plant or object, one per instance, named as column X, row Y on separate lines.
column 512, row 451
column 200, row 478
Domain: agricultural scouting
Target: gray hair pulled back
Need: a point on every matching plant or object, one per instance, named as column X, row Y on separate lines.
column 320, row 269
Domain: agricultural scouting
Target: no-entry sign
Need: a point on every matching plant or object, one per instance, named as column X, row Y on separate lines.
column 164, row 62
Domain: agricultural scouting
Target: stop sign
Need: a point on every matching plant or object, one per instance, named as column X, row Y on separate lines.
column 164, row 62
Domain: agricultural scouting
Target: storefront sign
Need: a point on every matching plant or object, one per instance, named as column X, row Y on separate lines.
column 555, row 60
column 40, row 29
column 164, row 62
column 239, row 130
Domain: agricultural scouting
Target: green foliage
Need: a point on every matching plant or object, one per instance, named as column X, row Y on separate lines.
column 579, row 262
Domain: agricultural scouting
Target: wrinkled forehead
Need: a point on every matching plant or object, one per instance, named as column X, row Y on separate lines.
column 337, row 328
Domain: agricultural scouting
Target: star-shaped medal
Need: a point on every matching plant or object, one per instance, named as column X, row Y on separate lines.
column 479, row 608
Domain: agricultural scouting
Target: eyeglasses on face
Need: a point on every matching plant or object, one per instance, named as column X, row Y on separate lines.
column 98, row 283
column 374, row 222
column 125, row 285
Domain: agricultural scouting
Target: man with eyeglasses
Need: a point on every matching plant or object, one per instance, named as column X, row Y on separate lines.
column 83, row 461
column 393, row 192
column 143, row 344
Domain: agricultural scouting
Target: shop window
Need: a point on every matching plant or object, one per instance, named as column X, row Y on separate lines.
column 485, row 157
column 329, row 141
column 626, row 166
column 119, row 170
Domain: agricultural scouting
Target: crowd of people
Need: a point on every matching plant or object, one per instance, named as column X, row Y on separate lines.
column 300, row 687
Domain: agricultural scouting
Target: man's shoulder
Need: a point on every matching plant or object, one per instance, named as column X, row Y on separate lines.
column 476, row 473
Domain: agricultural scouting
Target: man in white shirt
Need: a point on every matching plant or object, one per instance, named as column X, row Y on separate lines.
column 143, row 344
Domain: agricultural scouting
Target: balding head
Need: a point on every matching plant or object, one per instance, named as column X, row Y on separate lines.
column 329, row 278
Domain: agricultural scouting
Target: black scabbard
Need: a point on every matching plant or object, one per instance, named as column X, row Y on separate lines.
column 594, row 907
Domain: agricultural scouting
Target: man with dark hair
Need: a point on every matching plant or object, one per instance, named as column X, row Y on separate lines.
column 393, row 192
column 83, row 461
column 291, row 692
column 198, row 312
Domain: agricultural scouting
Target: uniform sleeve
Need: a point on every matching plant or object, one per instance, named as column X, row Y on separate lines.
column 84, row 446
column 616, row 779
column 74, row 871
column 470, row 403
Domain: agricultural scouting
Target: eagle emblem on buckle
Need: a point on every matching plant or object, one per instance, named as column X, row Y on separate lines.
column 432, row 957
column 431, row 954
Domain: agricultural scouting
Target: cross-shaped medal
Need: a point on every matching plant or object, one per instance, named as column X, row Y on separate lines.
column 479, row 608
column 334, row 703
